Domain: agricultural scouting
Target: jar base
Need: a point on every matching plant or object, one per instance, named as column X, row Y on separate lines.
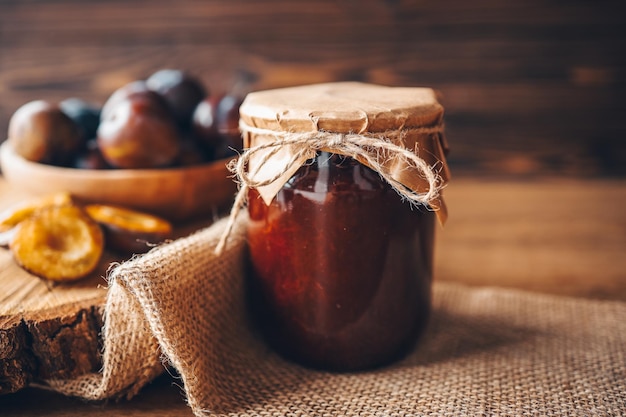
column 358, row 348
column 348, row 361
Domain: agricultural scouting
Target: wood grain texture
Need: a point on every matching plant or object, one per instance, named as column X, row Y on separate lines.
column 529, row 88
column 552, row 236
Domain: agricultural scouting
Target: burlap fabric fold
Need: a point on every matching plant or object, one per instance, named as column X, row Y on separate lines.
column 487, row 352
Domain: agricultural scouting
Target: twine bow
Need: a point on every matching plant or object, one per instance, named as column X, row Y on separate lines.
column 370, row 149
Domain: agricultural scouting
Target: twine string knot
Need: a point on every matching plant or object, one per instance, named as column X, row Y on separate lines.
column 374, row 150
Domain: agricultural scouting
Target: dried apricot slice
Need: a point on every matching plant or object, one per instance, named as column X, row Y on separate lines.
column 11, row 216
column 129, row 231
column 58, row 243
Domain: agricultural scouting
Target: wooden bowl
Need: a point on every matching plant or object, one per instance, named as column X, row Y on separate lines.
column 178, row 194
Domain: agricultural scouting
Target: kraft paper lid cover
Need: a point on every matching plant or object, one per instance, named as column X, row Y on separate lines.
column 410, row 117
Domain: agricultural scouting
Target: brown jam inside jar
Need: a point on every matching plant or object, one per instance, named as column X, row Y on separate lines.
column 340, row 267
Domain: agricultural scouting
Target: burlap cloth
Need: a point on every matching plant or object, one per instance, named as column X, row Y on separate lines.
column 487, row 352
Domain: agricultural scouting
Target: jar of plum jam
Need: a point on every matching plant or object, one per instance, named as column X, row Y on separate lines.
column 341, row 264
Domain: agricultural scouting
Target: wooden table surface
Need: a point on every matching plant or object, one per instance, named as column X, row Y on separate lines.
column 558, row 236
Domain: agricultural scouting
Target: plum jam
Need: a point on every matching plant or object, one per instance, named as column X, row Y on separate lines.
column 340, row 267
column 343, row 182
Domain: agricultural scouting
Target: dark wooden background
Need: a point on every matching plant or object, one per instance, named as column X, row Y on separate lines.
column 530, row 87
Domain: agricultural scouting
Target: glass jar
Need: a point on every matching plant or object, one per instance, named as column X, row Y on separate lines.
column 340, row 266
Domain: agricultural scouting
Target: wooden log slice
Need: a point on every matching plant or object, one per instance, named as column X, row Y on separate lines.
column 51, row 330
column 48, row 330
